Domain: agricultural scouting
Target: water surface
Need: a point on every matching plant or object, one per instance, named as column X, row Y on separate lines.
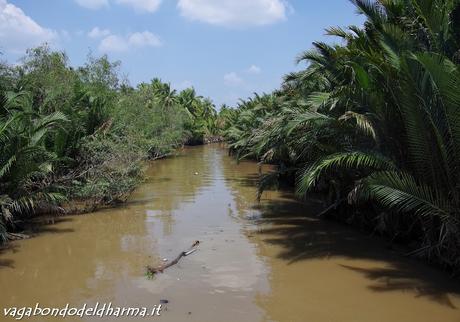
column 272, row 261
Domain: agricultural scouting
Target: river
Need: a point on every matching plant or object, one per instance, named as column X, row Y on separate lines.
column 273, row 261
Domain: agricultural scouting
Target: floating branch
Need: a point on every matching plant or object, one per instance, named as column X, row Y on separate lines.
column 154, row 270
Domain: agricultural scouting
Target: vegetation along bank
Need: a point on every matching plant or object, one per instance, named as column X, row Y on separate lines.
column 73, row 139
column 373, row 124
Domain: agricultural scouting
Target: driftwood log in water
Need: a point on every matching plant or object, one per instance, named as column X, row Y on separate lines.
column 161, row 268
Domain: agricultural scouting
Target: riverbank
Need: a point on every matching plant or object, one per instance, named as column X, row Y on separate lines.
column 75, row 207
column 372, row 124
column 80, row 206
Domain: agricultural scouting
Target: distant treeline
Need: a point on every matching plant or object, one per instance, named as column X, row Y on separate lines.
column 372, row 123
column 79, row 136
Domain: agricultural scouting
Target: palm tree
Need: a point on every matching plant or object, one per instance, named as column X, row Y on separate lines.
column 25, row 163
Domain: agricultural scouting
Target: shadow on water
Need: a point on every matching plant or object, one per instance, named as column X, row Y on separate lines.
column 152, row 180
column 303, row 236
column 54, row 230
column 34, row 228
column 7, row 263
column 136, row 202
column 245, row 181
column 403, row 277
column 48, row 226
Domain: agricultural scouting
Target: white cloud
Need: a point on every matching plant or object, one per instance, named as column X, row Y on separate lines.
column 113, row 43
column 93, row 4
column 144, row 39
column 142, row 5
column 116, row 43
column 254, row 69
column 19, row 32
column 98, row 33
column 232, row 79
column 137, row 5
column 234, row 13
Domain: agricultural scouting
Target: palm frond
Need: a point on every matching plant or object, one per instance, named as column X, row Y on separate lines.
column 341, row 162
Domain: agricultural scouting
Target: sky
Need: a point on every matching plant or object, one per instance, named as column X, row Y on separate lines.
column 225, row 49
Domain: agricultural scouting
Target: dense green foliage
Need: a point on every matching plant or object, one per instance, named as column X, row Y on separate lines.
column 373, row 123
column 81, row 134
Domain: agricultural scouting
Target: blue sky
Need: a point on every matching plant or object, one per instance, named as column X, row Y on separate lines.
column 226, row 49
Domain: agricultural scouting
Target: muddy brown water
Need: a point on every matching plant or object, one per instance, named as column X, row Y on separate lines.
column 272, row 261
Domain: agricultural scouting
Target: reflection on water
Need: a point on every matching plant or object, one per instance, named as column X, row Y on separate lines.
column 269, row 262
